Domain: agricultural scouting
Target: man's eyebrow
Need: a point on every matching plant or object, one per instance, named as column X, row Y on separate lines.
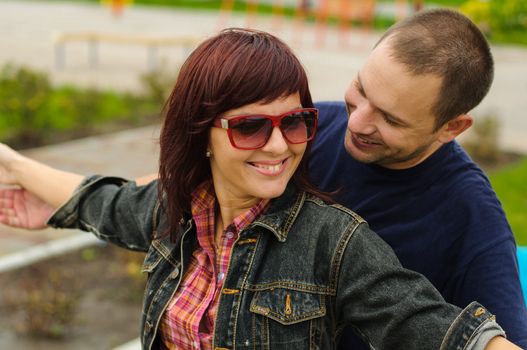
column 358, row 85
column 360, row 88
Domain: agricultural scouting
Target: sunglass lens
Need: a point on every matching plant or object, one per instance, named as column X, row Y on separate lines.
column 251, row 132
column 298, row 127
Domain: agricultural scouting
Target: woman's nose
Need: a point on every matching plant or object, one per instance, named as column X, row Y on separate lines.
column 276, row 143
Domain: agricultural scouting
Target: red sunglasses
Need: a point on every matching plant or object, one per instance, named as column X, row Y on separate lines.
column 253, row 131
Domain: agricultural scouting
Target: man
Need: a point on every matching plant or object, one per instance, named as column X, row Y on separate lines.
column 390, row 153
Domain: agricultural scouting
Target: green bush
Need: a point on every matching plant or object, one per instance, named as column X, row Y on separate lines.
column 24, row 95
column 510, row 15
column 502, row 21
column 158, row 83
column 32, row 112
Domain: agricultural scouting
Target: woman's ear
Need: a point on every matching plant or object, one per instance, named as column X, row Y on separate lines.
column 454, row 127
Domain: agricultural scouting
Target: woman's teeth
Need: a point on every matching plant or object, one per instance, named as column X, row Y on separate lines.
column 273, row 168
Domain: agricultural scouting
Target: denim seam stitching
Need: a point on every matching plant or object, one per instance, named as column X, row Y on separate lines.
column 342, row 244
column 321, row 311
column 291, row 285
column 245, row 277
column 164, row 252
column 453, row 326
column 149, row 267
column 95, row 231
column 149, row 312
column 293, row 214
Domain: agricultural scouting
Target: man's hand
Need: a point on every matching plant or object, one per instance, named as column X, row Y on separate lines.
column 500, row 343
column 20, row 208
column 146, row 179
column 8, row 157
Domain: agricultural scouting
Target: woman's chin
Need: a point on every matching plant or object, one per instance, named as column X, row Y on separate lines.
column 271, row 191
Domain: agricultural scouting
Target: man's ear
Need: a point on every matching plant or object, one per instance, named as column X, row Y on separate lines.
column 454, row 127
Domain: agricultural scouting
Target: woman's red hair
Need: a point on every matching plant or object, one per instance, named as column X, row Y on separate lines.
column 232, row 69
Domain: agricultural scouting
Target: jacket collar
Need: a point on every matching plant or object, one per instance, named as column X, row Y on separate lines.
column 282, row 212
column 278, row 218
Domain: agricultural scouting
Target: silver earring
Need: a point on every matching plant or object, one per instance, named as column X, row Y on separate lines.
column 208, row 154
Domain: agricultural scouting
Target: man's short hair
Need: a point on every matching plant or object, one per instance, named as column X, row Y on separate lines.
column 448, row 44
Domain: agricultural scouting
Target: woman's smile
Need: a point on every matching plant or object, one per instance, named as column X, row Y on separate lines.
column 270, row 167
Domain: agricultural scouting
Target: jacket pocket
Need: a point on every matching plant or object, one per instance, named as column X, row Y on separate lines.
column 288, row 306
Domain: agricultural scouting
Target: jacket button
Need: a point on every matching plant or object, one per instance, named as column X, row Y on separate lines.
column 174, row 273
column 479, row 311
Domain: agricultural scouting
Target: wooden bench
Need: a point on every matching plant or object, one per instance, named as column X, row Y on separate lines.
column 94, row 38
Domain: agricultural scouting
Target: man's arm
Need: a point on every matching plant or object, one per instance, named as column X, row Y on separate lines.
column 500, row 343
column 146, row 179
column 492, row 279
column 20, row 208
column 34, row 190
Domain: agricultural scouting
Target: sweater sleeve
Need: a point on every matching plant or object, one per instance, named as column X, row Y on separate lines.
column 487, row 268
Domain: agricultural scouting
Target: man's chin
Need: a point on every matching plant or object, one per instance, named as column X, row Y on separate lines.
column 359, row 155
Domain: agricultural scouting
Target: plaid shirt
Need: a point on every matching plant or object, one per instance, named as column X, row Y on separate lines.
column 188, row 322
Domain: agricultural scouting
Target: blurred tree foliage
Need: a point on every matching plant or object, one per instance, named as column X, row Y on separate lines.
column 158, row 83
column 23, row 97
column 502, row 21
column 33, row 112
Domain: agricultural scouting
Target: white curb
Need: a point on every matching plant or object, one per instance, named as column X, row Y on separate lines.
column 46, row 250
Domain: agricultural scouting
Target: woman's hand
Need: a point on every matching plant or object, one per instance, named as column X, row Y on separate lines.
column 20, row 208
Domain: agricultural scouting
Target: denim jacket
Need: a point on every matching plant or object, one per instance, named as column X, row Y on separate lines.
column 297, row 275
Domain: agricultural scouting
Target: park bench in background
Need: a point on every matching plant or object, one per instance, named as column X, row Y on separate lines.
column 93, row 39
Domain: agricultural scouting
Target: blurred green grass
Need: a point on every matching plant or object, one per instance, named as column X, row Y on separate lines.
column 510, row 184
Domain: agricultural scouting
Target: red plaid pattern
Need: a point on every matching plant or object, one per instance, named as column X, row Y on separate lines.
column 188, row 322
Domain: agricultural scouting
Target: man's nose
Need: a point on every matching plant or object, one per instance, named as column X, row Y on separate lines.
column 362, row 120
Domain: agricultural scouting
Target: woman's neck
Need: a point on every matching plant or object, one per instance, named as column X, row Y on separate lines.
column 228, row 210
column 226, row 213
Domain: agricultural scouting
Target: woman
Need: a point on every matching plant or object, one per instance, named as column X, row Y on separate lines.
column 241, row 250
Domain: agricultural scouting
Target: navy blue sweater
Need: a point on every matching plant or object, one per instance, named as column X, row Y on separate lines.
column 441, row 217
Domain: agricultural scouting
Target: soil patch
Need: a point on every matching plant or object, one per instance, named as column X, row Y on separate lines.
column 87, row 299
